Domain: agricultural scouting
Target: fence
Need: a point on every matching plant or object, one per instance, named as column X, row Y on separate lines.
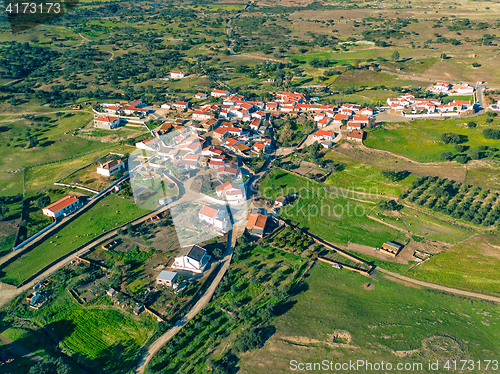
column 31, row 238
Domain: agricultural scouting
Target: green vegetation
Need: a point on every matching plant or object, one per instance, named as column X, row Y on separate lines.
column 423, row 140
column 425, row 324
column 112, row 211
column 237, row 319
column 471, row 265
column 107, row 336
column 457, row 200
column 335, row 215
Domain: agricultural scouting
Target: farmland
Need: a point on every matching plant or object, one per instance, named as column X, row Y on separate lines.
column 472, row 265
column 113, row 211
column 106, row 336
column 420, row 140
column 339, row 217
column 393, row 322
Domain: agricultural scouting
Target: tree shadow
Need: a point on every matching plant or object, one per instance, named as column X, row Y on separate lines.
column 284, row 307
column 299, row 288
column 47, row 143
column 4, row 128
column 401, row 175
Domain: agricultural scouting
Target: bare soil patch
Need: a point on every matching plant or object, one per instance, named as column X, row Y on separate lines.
column 369, row 286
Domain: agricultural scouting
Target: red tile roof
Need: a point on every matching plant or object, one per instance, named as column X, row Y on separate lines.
column 61, row 204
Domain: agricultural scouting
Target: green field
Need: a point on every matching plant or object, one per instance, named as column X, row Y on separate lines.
column 366, row 179
column 472, row 265
column 110, row 212
column 420, row 140
column 107, row 336
column 424, row 225
column 334, row 215
column 337, row 319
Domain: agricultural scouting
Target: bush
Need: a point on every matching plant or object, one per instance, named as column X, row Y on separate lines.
column 489, row 120
column 450, row 137
column 446, row 156
column 462, row 159
column 460, row 148
column 491, row 133
column 471, row 124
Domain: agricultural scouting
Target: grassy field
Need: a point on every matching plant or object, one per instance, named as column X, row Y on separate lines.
column 107, row 336
column 425, row 225
column 110, row 212
column 337, row 319
column 39, row 177
column 473, row 265
column 335, row 216
column 420, row 140
column 364, row 178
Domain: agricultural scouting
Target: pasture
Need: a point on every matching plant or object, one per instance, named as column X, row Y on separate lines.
column 471, row 265
column 108, row 213
column 335, row 215
column 336, row 318
column 420, row 140
column 107, row 336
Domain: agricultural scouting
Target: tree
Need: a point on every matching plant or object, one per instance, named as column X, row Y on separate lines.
column 450, row 137
column 389, row 174
column 50, row 366
column 4, row 209
column 491, row 133
column 462, row 159
column 395, row 56
column 42, row 201
column 32, row 141
column 471, row 124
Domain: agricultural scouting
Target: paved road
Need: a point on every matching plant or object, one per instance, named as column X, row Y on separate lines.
column 61, row 224
column 441, row 288
column 201, row 304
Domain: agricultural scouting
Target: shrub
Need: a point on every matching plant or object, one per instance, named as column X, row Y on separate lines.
column 491, row 133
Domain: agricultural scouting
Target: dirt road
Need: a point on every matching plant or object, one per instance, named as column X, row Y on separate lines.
column 202, row 303
column 439, row 287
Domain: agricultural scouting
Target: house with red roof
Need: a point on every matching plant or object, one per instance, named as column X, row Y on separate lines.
column 256, row 224
column 219, row 93
column 200, row 96
column 230, row 191
column 356, row 136
column 63, row 207
column 337, row 120
column 107, row 122
column 214, row 216
column 175, row 74
column 323, row 135
column 110, row 167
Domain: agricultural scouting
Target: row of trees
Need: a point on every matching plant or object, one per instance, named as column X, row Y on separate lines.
column 460, row 201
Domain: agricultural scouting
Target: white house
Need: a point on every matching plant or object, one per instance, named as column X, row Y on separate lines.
column 178, row 74
column 166, row 278
column 230, row 190
column 200, row 96
column 62, row 207
column 107, row 122
column 219, row 93
column 214, row 216
column 195, row 260
column 110, row 167
column 323, row 135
